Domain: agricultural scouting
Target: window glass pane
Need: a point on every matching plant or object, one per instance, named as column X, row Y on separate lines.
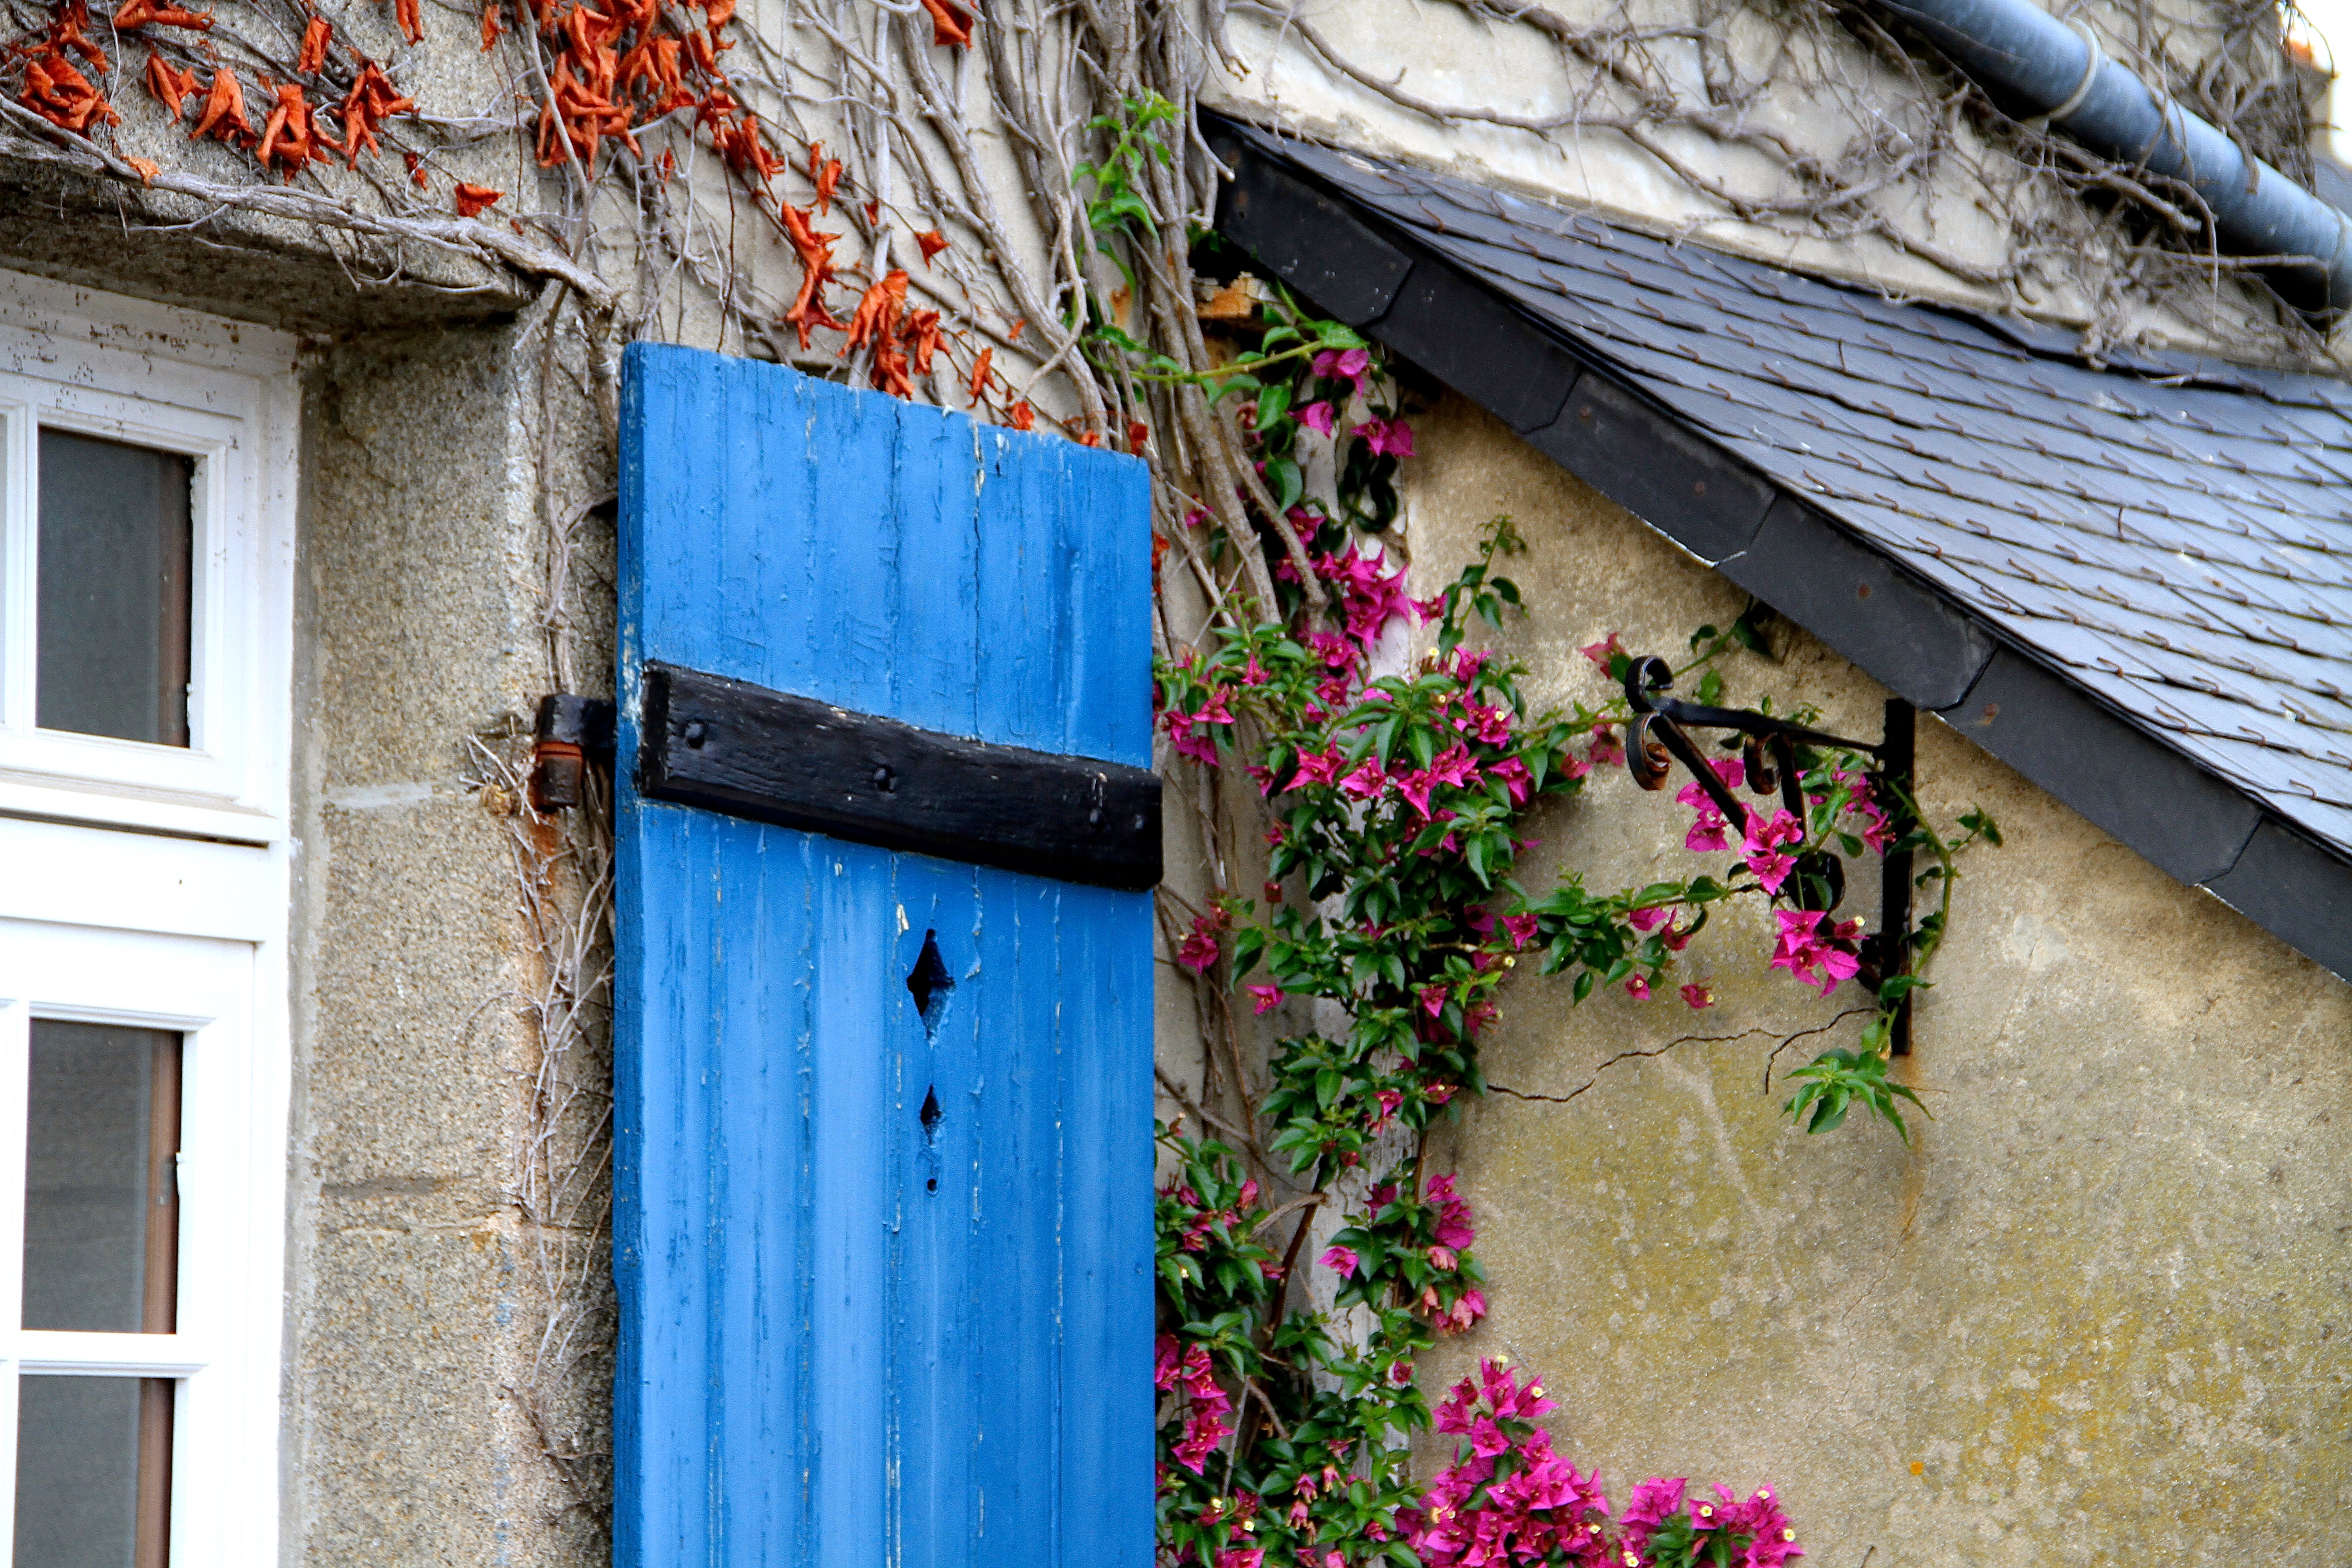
column 114, row 548
column 93, row 1457
column 102, row 1209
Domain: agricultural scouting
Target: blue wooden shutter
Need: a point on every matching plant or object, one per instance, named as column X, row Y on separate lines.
column 853, row 1332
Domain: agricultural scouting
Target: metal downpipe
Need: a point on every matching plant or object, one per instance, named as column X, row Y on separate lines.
column 2054, row 71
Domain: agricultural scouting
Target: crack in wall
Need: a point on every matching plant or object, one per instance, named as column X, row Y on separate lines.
column 1785, row 1042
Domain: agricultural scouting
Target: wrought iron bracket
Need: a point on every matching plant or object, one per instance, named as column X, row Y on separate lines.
column 1659, row 736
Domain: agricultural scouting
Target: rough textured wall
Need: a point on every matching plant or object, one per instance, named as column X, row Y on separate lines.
column 412, row 1305
column 2091, row 1317
column 1963, row 217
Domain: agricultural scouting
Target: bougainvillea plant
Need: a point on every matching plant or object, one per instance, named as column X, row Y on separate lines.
column 1398, row 791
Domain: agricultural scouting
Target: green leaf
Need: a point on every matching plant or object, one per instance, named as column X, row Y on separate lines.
column 1282, row 478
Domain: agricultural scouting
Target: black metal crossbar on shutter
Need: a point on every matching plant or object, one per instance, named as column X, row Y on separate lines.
column 729, row 746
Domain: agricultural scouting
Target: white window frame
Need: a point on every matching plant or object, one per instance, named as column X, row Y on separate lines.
column 221, row 393
column 181, row 923
column 224, row 1354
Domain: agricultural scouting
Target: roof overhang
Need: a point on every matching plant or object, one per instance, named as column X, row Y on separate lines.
column 1342, row 229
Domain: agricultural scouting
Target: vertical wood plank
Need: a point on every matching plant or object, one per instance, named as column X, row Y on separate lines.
column 826, row 1359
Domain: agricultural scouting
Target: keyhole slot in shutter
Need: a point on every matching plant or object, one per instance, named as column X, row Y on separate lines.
column 930, row 1117
column 929, row 983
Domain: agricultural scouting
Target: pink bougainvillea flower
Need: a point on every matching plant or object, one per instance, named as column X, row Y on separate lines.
column 1708, row 830
column 1509, row 1501
column 1268, row 997
column 1647, row 921
column 1203, row 1433
column 1876, row 831
column 1389, row 1100
column 1190, row 741
column 1433, row 1000
column 1515, row 777
column 1521, row 928
column 1492, row 725
column 1414, row 787
column 1605, row 749
column 1400, row 1372
column 1638, row 988
column 1653, row 1503
column 1343, row 364
column 1452, row 1228
column 1195, row 516
column 1391, row 436
column 1445, row 1259
column 1601, row 652
column 1467, row 1309
column 1371, row 593
column 1316, row 416
column 1698, row 996
column 1190, row 734
column 1166, row 1351
column 1764, row 852
column 1455, row 767
column 1332, row 649
column 1816, row 952
column 1772, row 1541
column 1316, row 767
column 1200, row 949
column 1342, row 1259
column 1365, row 782
column 1242, row 1557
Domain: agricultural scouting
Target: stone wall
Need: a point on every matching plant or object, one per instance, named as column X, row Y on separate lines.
column 413, row 1311
column 2089, row 1316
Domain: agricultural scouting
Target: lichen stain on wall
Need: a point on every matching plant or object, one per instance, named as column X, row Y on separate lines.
column 2090, row 1316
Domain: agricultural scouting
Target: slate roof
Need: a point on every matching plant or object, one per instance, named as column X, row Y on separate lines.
column 2170, row 538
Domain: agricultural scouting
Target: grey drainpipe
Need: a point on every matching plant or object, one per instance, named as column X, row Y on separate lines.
column 2059, row 74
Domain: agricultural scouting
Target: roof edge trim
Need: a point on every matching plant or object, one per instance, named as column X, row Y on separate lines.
column 1562, row 398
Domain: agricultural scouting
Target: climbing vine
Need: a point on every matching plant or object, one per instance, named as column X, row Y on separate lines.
column 1397, row 805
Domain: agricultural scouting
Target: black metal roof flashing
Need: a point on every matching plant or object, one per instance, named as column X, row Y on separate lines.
column 2132, row 586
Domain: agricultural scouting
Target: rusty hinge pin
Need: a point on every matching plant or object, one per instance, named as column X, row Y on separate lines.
column 569, row 729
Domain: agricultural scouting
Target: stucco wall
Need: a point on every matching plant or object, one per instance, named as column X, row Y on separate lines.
column 2090, row 1316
